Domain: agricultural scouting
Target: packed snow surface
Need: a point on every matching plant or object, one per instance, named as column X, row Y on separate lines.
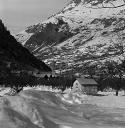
column 40, row 108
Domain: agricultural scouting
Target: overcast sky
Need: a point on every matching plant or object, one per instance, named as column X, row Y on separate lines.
column 18, row 14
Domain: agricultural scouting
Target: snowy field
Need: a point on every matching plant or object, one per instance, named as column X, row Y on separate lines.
column 43, row 107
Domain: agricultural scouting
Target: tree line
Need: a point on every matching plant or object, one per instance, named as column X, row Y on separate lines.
column 24, row 79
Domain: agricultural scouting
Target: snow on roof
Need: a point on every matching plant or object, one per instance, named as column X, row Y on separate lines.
column 84, row 81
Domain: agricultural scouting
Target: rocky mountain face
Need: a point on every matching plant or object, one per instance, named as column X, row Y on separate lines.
column 85, row 32
column 16, row 58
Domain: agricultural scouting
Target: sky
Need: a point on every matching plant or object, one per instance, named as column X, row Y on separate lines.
column 19, row 14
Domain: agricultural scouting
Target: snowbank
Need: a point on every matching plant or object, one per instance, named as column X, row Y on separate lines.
column 4, row 91
column 103, row 99
column 28, row 109
column 44, row 109
column 72, row 98
column 43, row 88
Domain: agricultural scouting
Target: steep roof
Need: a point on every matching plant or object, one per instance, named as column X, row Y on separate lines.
column 84, row 81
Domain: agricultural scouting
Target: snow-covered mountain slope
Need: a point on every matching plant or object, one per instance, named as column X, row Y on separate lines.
column 85, row 31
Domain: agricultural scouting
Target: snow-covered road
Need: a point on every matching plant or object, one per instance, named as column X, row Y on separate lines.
column 43, row 109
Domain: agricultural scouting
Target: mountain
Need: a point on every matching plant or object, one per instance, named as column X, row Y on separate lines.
column 16, row 58
column 84, row 32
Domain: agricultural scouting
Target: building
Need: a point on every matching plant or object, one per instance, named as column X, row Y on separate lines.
column 86, row 86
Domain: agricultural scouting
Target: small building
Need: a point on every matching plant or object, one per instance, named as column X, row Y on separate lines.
column 86, row 86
